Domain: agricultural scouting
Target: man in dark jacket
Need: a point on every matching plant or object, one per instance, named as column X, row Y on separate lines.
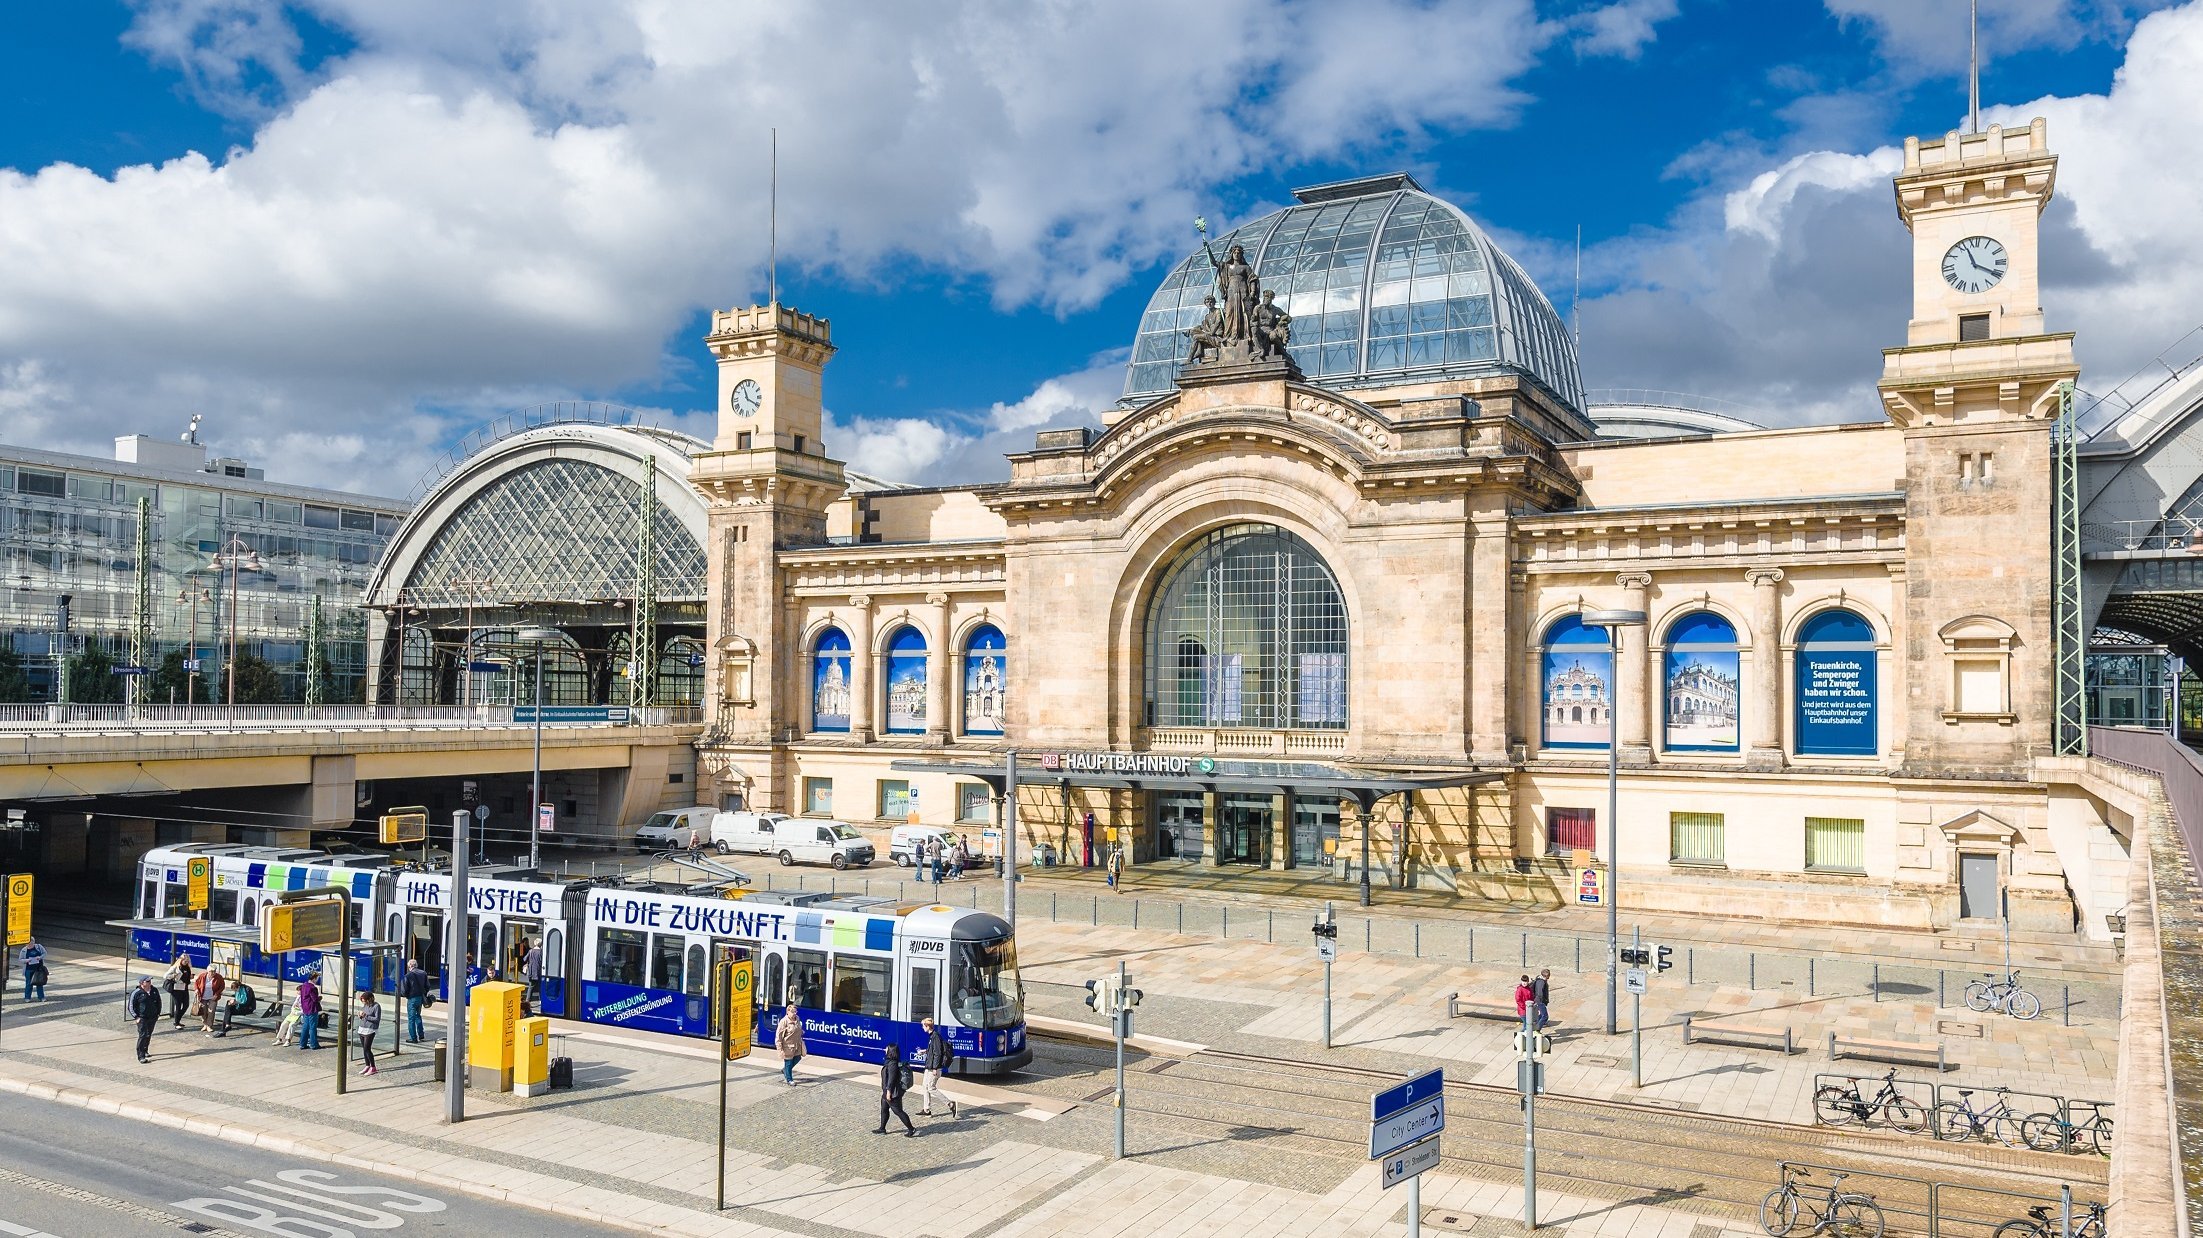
column 414, row 988
column 1541, row 1000
column 145, row 1007
column 894, row 1082
column 939, row 1053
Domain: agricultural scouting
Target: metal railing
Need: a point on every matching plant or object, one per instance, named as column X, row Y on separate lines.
column 129, row 718
column 1928, row 1095
column 1921, row 1206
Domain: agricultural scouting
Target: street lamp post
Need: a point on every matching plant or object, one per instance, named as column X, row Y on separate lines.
column 536, row 637
column 1613, row 621
column 236, row 558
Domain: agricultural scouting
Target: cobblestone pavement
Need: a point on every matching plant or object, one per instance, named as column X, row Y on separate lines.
column 1221, row 1145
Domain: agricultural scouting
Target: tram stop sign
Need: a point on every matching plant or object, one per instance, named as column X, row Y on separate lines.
column 19, row 909
column 200, row 870
column 312, row 924
column 738, row 980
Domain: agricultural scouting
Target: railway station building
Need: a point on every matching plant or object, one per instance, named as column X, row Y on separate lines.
column 1348, row 585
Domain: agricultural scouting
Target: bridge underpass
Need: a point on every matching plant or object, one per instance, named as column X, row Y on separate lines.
column 86, row 802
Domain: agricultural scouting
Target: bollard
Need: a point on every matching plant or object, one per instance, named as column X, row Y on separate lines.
column 1877, row 982
column 1525, row 949
column 1051, row 906
column 1270, row 934
column 1135, row 913
column 1227, row 933
column 1365, row 934
column 1938, row 988
column 1751, row 971
column 1472, row 943
column 1418, row 939
column 1690, row 965
column 2068, row 1003
column 1809, row 978
column 1181, row 917
column 1093, row 913
column 1579, row 956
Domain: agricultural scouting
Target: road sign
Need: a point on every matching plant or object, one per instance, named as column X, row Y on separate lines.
column 19, row 909
column 130, row 670
column 1414, row 1159
column 546, row 818
column 1634, row 980
column 486, row 668
column 1413, row 1111
column 525, row 715
column 191, row 664
column 314, row 924
column 201, row 873
column 404, row 825
column 1591, row 887
column 1327, row 948
column 481, row 812
column 696, row 659
column 738, row 980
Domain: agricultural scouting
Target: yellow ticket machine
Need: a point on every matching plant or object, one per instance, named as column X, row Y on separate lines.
column 493, row 1019
column 532, row 1057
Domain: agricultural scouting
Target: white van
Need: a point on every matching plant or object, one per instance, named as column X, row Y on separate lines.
column 669, row 831
column 905, row 844
column 794, row 840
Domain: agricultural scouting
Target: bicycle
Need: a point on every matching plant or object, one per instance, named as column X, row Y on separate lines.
column 1850, row 1214
column 1983, row 996
column 2038, row 1223
column 1958, row 1119
column 1840, row 1104
column 2053, row 1132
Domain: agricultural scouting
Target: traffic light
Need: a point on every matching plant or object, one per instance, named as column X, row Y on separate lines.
column 1666, row 962
column 1095, row 997
column 1327, row 928
column 1128, row 997
column 1636, row 957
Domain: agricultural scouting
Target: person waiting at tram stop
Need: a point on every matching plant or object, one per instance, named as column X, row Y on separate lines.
column 788, row 1037
column 206, row 993
column 34, row 972
column 145, row 1010
column 475, row 974
column 414, row 989
column 366, row 1021
column 309, row 1014
column 177, row 980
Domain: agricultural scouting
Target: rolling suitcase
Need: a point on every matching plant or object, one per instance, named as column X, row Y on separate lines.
column 562, row 1072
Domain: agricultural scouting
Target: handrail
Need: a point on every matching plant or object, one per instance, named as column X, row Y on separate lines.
column 59, row 719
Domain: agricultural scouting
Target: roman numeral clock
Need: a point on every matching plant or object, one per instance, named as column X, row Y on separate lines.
column 1975, row 264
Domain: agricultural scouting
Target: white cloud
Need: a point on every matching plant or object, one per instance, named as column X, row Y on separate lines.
column 953, row 449
column 480, row 198
column 1781, row 293
column 1927, row 37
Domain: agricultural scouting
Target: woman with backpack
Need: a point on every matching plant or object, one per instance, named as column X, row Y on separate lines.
column 177, row 981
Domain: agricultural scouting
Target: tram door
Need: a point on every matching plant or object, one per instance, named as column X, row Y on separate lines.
column 722, row 950
column 519, row 935
column 923, row 983
column 424, row 942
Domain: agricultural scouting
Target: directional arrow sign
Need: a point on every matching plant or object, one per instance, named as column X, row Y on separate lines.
column 1414, row 1159
column 1402, row 1115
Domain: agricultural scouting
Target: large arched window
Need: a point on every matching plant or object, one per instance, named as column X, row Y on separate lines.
column 1701, row 679
column 986, row 680
column 1579, row 685
column 1247, row 629
column 906, row 682
column 1835, row 686
column 830, row 681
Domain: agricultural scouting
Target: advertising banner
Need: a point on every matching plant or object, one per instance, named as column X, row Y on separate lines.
column 1835, row 692
column 1579, row 692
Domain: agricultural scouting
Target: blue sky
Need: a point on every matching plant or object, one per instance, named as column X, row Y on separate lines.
column 404, row 218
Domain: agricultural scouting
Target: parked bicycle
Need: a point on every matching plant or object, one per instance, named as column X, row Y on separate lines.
column 1958, row 1119
column 2056, row 1132
column 2004, row 995
column 1833, row 1210
column 1841, row 1104
column 2038, row 1223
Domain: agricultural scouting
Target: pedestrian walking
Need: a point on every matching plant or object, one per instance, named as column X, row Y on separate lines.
column 145, row 1007
column 1522, row 1000
column 177, row 981
column 531, row 976
column 1116, row 869
column 939, row 1053
column 309, row 1014
column 958, row 858
column 788, row 1035
column 932, row 854
column 34, row 972
column 894, row 1084
column 1541, row 998
column 206, row 994
column 414, row 989
column 367, row 1020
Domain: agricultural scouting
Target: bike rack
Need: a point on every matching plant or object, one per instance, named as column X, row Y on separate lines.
column 1929, row 1220
column 1966, row 1226
column 1928, row 1095
column 1919, row 1091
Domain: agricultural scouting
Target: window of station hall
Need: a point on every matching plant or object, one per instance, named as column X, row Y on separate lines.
column 830, row 681
column 1247, row 629
column 1701, row 679
column 986, row 680
column 906, row 682
column 1579, row 685
column 1834, row 686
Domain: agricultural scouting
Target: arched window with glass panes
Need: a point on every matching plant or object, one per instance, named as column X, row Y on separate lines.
column 1247, row 628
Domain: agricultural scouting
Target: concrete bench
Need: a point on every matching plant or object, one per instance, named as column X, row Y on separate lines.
column 1473, row 1009
column 1906, row 1052
column 1747, row 1035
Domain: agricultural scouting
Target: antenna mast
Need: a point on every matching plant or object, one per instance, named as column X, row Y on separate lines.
column 1575, row 299
column 1973, row 64
column 772, row 229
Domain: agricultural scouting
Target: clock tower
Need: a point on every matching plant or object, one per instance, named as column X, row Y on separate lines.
column 1976, row 390
column 767, row 483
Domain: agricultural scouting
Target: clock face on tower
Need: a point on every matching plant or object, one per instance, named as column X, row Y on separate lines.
column 1974, row 264
column 746, row 397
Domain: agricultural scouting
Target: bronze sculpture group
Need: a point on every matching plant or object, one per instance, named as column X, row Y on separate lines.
column 1243, row 322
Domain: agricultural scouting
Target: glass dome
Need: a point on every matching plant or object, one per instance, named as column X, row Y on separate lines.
column 1386, row 285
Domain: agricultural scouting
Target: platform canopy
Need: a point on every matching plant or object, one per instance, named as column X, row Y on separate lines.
column 1150, row 771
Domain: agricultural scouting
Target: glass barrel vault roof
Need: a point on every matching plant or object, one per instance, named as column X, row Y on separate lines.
column 1386, row 285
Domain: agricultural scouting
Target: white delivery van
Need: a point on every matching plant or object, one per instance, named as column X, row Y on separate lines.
column 669, row 831
column 904, row 845
column 794, row 840
column 747, row 832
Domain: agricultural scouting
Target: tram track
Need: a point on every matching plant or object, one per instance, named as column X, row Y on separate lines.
column 1605, row 1149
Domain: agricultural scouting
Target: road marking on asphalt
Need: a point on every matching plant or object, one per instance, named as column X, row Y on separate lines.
column 23, row 1231
column 371, row 1206
column 82, row 1196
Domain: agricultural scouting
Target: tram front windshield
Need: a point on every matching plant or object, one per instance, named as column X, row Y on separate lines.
column 984, row 983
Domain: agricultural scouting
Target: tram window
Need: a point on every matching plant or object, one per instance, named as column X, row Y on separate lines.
column 395, row 935
column 698, row 971
column 488, row 957
column 860, row 985
column 620, row 957
column 665, row 962
column 554, row 953
column 359, row 920
column 222, row 905
column 251, row 908
column 772, row 980
column 984, row 978
column 174, row 899
column 807, row 979
column 925, row 982
column 425, row 941
column 474, row 934
column 150, row 894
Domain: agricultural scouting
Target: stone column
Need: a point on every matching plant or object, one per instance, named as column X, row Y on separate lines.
column 862, row 662
column 1764, row 750
column 940, row 672
column 1633, row 689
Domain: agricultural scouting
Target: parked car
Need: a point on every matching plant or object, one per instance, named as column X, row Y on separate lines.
column 745, row 831
column 794, row 840
column 669, row 831
column 905, row 843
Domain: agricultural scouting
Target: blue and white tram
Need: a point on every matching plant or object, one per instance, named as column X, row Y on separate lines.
column 861, row 972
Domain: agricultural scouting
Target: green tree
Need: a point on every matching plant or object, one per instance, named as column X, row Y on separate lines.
column 171, row 682
column 92, row 678
column 15, row 686
column 257, row 682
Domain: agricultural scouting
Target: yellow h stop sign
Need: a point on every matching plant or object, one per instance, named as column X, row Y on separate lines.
column 19, row 909
column 201, row 872
column 738, row 982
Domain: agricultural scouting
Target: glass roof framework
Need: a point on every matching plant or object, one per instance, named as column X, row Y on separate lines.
column 1384, row 288
column 559, row 530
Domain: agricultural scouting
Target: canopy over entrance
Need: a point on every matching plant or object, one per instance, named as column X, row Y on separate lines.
column 1146, row 771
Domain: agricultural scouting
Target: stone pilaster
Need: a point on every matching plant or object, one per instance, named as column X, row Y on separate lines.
column 1765, row 749
column 940, row 671
column 1633, row 690
column 863, row 663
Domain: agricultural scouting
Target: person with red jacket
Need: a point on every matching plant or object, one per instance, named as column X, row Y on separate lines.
column 1524, row 995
